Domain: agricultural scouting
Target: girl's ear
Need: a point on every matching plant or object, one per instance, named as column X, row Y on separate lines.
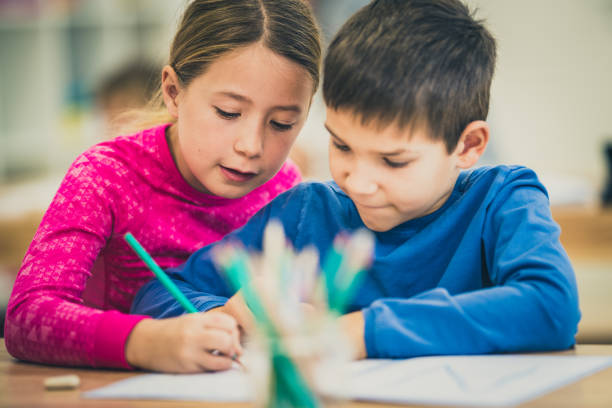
column 472, row 143
column 171, row 87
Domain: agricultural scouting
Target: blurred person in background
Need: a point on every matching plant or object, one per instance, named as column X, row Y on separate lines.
column 130, row 87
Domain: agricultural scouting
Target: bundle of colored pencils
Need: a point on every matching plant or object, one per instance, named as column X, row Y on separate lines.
column 290, row 298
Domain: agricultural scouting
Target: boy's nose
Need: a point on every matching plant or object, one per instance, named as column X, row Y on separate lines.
column 250, row 142
column 359, row 182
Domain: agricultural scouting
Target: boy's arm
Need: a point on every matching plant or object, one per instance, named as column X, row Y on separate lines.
column 532, row 305
column 353, row 327
column 199, row 278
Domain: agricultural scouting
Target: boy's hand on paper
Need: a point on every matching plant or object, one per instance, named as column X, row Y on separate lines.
column 308, row 311
column 238, row 309
column 184, row 344
column 353, row 326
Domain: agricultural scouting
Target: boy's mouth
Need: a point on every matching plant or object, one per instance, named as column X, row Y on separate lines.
column 237, row 175
column 369, row 207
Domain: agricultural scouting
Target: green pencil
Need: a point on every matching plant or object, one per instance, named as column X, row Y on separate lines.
column 160, row 274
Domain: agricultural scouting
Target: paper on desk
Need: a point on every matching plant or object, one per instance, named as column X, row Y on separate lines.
column 227, row 386
column 494, row 380
column 500, row 380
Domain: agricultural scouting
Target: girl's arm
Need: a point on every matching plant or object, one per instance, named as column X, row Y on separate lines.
column 46, row 320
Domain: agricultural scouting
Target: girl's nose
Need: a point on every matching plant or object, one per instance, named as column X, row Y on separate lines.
column 250, row 142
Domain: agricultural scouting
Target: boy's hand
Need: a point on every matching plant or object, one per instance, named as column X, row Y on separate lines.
column 184, row 344
column 353, row 326
column 238, row 309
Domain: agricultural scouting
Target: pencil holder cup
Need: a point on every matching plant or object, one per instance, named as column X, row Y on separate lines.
column 296, row 308
column 298, row 370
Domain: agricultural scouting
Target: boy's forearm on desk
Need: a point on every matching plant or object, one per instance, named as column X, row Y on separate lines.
column 353, row 327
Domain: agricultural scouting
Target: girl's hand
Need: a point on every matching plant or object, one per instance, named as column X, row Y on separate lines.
column 189, row 343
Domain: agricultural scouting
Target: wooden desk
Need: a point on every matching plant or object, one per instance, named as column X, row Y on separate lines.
column 586, row 234
column 21, row 385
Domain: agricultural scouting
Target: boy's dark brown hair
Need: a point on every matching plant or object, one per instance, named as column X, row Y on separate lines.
column 412, row 62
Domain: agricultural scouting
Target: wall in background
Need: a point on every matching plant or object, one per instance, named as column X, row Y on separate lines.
column 551, row 97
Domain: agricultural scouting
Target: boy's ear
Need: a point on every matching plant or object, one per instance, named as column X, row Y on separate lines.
column 472, row 143
column 171, row 87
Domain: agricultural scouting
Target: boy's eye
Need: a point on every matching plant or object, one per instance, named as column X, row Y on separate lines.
column 227, row 115
column 394, row 164
column 341, row 147
column 281, row 126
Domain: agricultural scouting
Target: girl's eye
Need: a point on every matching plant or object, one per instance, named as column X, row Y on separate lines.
column 342, row 148
column 227, row 115
column 393, row 164
column 281, row 126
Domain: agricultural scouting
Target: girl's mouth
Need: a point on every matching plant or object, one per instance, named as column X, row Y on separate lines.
column 237, row 175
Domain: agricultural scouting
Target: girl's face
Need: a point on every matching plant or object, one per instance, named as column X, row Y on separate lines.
column 236, row 122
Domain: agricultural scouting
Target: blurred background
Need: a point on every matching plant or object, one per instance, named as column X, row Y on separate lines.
column 68, row 66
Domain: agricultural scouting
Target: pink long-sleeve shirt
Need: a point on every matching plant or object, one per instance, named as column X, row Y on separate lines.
column 78, row 278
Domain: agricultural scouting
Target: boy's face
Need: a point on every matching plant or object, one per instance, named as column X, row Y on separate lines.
column 392, row 175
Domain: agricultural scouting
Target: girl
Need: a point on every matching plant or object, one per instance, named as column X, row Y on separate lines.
column 237, row 90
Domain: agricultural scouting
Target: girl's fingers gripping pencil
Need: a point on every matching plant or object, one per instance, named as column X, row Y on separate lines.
column 165, row 280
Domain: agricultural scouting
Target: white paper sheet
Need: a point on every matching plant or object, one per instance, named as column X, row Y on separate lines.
column 468, row 380
column 227, row 386
column 493, row 380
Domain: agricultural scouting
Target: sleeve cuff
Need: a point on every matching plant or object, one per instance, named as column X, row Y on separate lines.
column 209, row 302
column 111, row 335
column 369, row 319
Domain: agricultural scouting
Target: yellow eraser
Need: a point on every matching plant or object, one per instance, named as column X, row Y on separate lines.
column 62, row 382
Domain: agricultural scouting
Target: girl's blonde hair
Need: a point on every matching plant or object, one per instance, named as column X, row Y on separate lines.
column 210, row 28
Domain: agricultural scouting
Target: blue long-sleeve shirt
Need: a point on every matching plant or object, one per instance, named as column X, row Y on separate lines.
column 484, row 273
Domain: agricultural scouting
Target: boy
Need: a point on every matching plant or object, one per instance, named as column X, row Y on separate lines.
column 466, row 262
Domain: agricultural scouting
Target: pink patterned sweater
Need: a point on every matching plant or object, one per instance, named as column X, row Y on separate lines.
column 78, row 277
